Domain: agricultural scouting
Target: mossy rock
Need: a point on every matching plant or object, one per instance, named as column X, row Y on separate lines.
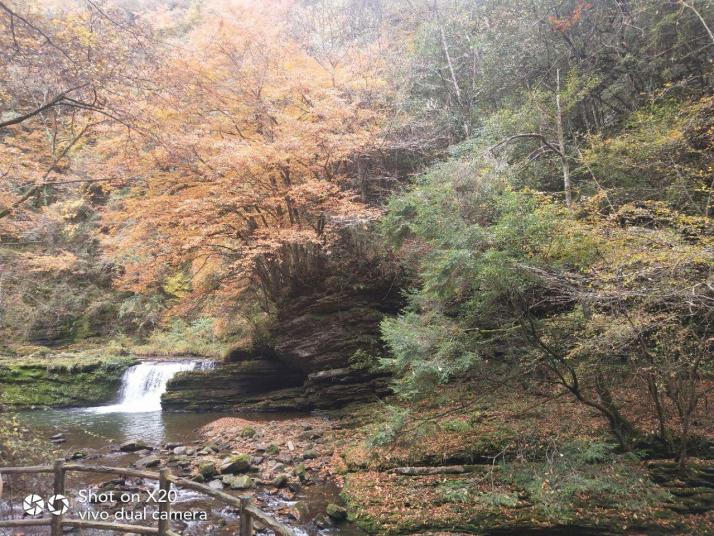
column 336, row 512
column 61, row 381
column 207, row 469
column 239, row 463
column 280, row 481
column 300, row 470
column 240, row 482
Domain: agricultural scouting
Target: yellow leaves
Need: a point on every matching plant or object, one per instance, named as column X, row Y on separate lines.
column 177, row 285
column 69, row 210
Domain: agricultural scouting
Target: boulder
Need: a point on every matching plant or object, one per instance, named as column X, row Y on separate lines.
column 239, row 463
column 234, row 385
column 215, row 484
column 321, row 331
column 323, row 522
column 280, row 481
column 134, row 446
column 310, row 455
column 336, row 512
column 148, row 461
column 239, row 482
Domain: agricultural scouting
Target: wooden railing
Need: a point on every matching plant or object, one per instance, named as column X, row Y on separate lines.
column 247, row 512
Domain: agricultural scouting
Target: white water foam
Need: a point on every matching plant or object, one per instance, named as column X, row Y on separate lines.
column 143, row 385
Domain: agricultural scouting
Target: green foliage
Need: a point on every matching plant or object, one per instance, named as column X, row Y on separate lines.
column 508, row 500
column 584, row 295
column 390, row 427
column 589, row 452
column 185, row 338
column 363, row 360
column 142, row 312
column 577, row 474
column 654, row 157
column 454, row 491
column 470, row 236
column 457, row 425
column 248, row 432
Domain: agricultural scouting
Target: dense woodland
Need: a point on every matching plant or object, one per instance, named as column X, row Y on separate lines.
column 536, row 179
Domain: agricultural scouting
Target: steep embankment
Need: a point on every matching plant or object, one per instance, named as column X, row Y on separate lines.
column 310, row 362
column 60, row 382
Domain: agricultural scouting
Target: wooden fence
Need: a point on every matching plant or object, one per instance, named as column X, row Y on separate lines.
column 248, row 512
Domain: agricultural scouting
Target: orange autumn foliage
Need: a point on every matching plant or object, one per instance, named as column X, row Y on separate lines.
column 253, row 157
column 565, row 24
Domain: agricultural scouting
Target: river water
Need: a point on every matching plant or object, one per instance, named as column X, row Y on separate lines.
column 136, row 415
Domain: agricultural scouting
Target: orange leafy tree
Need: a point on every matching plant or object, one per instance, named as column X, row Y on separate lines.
column 64, row 76
column 248, row 179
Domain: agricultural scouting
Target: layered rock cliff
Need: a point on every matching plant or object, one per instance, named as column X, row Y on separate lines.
column 308, row 364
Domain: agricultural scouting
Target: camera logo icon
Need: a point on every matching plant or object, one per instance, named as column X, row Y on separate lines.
column 33, row 505
column 57, row 505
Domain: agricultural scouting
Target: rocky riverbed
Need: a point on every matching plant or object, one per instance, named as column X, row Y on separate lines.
column 285, row 465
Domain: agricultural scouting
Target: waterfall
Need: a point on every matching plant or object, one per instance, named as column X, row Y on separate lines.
column 143, row 385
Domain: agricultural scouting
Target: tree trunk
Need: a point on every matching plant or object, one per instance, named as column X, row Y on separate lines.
column 619, row 425
column 683, row 444
column 561, row 144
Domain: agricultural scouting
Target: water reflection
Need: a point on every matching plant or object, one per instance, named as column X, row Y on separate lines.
column 85, row 429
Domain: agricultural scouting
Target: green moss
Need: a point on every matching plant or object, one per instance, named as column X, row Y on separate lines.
column 60, row 382
column 248, row 432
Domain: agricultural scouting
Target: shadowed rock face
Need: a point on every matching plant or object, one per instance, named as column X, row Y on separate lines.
column 307, row 366
column 231, row 385
column 322, row 333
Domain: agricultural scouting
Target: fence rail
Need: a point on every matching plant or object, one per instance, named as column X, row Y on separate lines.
column 247, row 512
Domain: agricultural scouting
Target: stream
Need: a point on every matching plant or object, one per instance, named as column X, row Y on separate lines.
column 92, row 435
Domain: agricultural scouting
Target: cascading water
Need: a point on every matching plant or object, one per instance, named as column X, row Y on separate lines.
column 143, row 385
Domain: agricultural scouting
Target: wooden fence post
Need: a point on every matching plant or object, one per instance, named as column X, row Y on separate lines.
column 58, row 490
column 165, row 505
column 246, row 523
